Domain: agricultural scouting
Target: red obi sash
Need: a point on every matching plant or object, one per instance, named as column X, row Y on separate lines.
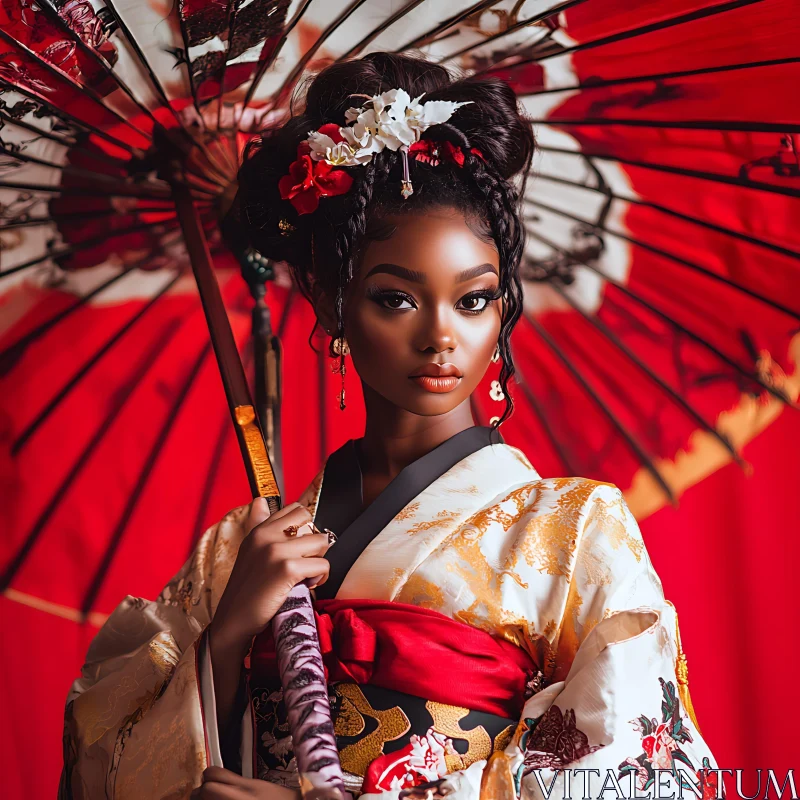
column 413, row 650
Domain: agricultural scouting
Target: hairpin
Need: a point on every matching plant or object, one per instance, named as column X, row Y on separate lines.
column 390, row 120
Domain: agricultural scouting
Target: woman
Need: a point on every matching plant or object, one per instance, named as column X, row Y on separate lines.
column 479, row 624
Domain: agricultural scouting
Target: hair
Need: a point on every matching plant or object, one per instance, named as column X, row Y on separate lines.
column 322, row 248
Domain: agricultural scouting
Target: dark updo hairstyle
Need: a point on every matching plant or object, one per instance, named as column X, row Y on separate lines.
column 322, row 247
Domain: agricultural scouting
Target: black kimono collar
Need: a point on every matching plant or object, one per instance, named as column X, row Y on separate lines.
column 341, row 498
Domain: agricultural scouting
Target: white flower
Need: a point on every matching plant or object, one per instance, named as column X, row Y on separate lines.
column 339, row 154
column 391, row 119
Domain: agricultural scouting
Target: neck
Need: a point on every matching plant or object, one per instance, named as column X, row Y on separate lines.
column 394, row 438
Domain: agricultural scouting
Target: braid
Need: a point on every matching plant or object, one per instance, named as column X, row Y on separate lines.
column 502, row 203
column 375, row 175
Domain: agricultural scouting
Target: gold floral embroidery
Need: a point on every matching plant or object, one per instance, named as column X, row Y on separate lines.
column 472, row 490
column 443, row 519
column 549, row 540
column 406, row 513
column 611, row 521
column 421, row 592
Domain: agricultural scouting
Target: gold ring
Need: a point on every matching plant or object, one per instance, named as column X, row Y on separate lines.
column 291, row 530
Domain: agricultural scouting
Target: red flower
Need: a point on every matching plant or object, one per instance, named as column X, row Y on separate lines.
column 708, row 780
column 331, row 129
column 434, row 153
column 308, row 180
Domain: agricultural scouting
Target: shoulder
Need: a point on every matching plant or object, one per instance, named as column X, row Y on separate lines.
column 576, row 496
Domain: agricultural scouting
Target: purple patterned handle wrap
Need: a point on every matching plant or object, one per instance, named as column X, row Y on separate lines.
column 305, row 694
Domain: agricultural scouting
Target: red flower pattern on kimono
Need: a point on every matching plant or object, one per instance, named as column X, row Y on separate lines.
column 708, row 781
column 661, row 743
column 308, row 180
column 659, row 747
column 556, row 741
column 422, row 760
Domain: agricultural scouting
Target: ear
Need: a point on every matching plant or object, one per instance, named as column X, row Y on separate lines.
column 324, row 308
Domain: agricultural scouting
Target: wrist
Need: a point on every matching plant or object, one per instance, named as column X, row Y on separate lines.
column 226, row 642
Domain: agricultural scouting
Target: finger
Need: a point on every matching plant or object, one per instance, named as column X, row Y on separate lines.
column 302, row 569
column 222, row 791
column 286, row 510
column 274, row 529
column 301, row 546
column 259, row 512
column 222, row 775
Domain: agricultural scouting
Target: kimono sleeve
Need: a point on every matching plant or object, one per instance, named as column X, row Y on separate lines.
column 133, row 724
column 622, row 711
column 616, row 707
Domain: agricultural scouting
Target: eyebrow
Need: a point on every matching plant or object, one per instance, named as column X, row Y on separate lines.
column 474, row 272
column 419, row 277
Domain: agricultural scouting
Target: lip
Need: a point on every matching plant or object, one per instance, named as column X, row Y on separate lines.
column 437, row 378
column 437, row 371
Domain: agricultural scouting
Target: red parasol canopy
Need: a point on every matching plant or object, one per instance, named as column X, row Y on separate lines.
column 662, row 299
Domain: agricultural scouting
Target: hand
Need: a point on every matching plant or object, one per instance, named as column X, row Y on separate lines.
column 269, row 565
column 222, row 784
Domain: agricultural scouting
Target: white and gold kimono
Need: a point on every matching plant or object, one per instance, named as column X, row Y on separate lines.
column 556, row 566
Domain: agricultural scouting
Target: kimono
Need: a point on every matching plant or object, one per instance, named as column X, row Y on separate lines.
column 487, row 633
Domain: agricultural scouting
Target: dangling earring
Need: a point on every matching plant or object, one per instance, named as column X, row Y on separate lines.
column 496, row 355
column 341, row 348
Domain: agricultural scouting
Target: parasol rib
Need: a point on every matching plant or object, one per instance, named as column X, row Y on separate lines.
column 553, row 11
column 55, row 18
column 631, row 440
column 602, row 328
column 269, row 61
column 674, row 258
column 159, row 87
column 712, row 226
column 681, row 19
column 431, row 34
column 689, row 125
column 60, row 113
column 80, row 216
column 714, row 177
column 14, row 351
column 645, row 304
column 144, row 474
column 71, row 475
column 94, row 189
column 73, row 145
column 86, row 244
column 377, row 31
column 26, row 434
column 544, row 421
column 154, row 80
column 87, row 91
column 602, row 83
column 303, row 61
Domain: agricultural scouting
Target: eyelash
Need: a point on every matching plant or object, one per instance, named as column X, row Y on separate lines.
column 380, row 296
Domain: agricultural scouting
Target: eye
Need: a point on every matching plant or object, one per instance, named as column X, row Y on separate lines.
column 476, row 302
column 392, row 301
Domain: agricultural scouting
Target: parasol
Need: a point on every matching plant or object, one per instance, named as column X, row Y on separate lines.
column 661, row 272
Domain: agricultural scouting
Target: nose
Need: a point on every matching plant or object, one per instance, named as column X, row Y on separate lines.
column 437, row 333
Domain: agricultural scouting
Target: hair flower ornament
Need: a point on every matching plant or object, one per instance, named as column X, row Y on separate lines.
column 308, row 180
column 390, row 120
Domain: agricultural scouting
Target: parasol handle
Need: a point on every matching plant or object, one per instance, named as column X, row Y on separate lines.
column 296, row 639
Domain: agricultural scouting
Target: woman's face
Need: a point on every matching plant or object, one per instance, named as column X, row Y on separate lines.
column 422, row 316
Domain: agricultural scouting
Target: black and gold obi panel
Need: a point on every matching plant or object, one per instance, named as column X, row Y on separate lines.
column 371, row 722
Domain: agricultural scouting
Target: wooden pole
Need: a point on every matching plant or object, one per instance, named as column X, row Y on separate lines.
column 248, row 431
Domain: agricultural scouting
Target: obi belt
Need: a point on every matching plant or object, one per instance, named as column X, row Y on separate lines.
column 414, row 695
